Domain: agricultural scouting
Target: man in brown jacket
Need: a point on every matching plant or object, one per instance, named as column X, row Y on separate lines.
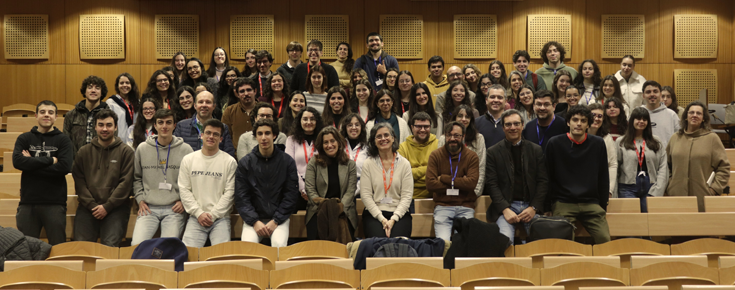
column 452, row 175
column 103, row 179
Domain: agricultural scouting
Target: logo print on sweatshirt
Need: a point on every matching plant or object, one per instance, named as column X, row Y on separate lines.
column 653, row 124
column 43, row 150
column 113, row 161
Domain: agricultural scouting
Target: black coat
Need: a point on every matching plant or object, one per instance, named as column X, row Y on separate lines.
column 475, row 238
column 499, row 177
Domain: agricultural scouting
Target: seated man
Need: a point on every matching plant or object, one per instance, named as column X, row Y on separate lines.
column 207, row 185
column 247, row 140
column 417, row 149
column 578, row 175
column 517, row 188
column 267, row 188
column 452, row 176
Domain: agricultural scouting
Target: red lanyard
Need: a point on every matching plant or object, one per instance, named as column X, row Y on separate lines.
column 280, row 107
column 308, row 67
column 130, row 108
column 403, row 109
column 575, row 141
column 387, row 186
column 307, row 156
column 260, row 82
column 642, row 154
column 347, row 149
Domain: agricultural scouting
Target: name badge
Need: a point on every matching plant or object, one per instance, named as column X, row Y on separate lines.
column 386, row 200
column 379, row 82
column 452, row 191
column 165, row 186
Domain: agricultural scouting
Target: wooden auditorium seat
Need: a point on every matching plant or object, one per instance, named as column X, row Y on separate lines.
column 224, row 276
column 643, row 261
column 131, row 277
column 88, row 252
column 712, row 248
column 551, row 247
column 726, row 262
column 436, row 262
column 674, row 275
column 163, row 264
column 127, row 253
column 719, row 203
column 18, row 110
column 495, row 274
column 7, row 162
column 256, row 264
column 624, row 205
column 672, row 204
column 521, row 288
column 237, row 250
column 71, row 265
column 625, row 248
column 312, row 250
column 342, row 263
column 727, row 276
column 314, row 276
column 42, row 277
column 461, row 262
column 707, row 287
column 554, row 261
column 626, row 288
column 405, row 275
column 62, row 109
column 575, row 275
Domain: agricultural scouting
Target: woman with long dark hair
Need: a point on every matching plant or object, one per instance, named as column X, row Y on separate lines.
column 184, row 108
column 124, row 103
column 642, row 167
column 218, row 64
column 610, row 88
column 296, row 103
column 497, row 70
column 231, row 74
column 403, row 90
column 160, row 89
column 459, row 93
column 362, row 98
column 300, row 145
column 616, row 119
column 194, row 73
column 421, row 101
column 472, row 76
column 587, row 81
column 178, row 62
column 391, row 78
column 668, row 97
column 473, row 140
column 354, row 131
column 524, row 103
column 316, row 87
column 482, row 92
column 343, row 65
column 336, row 107
column 276, row 92
column 516, row 81
column 382, row 111
column 143, row 127
column 562, row 81
column 597, row 129
column 250, row 69
column 330, row 174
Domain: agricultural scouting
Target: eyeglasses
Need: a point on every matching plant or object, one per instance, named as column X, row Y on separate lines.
column 210, row 133
column 454, row 136
column 162, row 81
column 485, row 85
column 245, row 91
column 597, row 116
column 542, row 105
column 422, row 127
column 231, row 77
column 383, row 136
column 512, row 124
column 314, row 50
column 308, row 120
column 354, row 125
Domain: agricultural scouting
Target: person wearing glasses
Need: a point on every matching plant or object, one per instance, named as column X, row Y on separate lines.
column 238, row 116
column 294, row 50
column 143, row 127
column 451, row 176
column 194, row 74
column 473, row 140
column 417, row 149
column 404, row 83
column 546, row 124
column 517, row 188
column 301, row 72
column 224, row 88
column 247, row 141
column 454, row 73
column 207, row 188
column 264, row 61
column 191, row 129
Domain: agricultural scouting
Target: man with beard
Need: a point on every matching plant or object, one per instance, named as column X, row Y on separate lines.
column 314, row 54
column 452, row 176
column 417, row 149
column 546, row 124
column 191, row 129
column 553, row 54
column 453, row 73
column 238, row 117
column 248, row 141
column 376, row 62
column 517, row 188
column 103, row 180
column 264, row 61
column 489, row 124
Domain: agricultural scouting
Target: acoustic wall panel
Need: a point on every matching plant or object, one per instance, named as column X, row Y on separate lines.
column 242, row 37
column 102, row 36
column 330, row 30
column 26, row 36
column 475, row 36
column 543, row 28
column 623, row 35
column 695, row 36
column 405, row 33
column 176, row 33
column 688, row 83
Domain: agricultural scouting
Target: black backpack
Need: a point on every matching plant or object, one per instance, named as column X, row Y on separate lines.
column 552, row 227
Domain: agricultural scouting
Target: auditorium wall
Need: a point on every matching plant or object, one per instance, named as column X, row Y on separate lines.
column 59, row 77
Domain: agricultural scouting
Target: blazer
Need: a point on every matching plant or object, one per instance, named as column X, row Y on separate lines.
column 317, row 183
column 499, row 177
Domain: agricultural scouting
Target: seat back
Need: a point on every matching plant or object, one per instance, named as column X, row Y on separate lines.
column 312, row 250
column 727, row 276
column 163, row 264
column 625, row 248
column 224, row 276
column 342, row 263
column 314, row 276
column 551, row 247
column 24, row 124
column 673, row 275
column 127, row 252
column 672, row 204
column 71, row 265
column 131, row 276
column 18, row 110
column 713, row 248
column 460, row 263
column 88, row 252
column 494, row 274
column 256, row 264
column 42, row 277
column 643, row 261
column 238, row 250
column 436, row 262
column 624, row 205
column 719, row 203
column 405, row 275
column 554, row 261
column 574, row 275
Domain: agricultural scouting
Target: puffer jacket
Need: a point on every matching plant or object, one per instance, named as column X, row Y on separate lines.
column 75, row 123
column 15, row 246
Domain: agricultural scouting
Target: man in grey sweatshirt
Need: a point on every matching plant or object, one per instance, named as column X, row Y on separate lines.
column 664, row 121
column 157, row 163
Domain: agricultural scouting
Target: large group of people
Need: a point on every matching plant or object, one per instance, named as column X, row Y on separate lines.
column 315, row 136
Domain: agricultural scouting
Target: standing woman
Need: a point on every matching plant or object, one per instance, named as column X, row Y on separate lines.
column 610, row 88
column 300, row 145
column 344, row 64
column 250, row 69
column 459, row 96
column 497, row 70
column 160, row 89
column 481, row 94
column 218, row 64
column 616, row 119
column 330, row 174
column 391, row 77
column 668, row 97
column 572, row 96
column 473, row 140
column 597, row 129
column 694, row 154
column 336, row 107
column 353, row 130
column 421, row 102
column 524, row 103
column 386, row 199
column 562, row 81
column 143, row 127
column 124, row 104
column 640, row 151
column 316, row 87
column 587, row 81
column 472, row 76
column 185, row 107
column 231, row 74
column 362, row 98
column 296, row 103
column 382, row 111
column 194, row 75
column 631, row 83
column 403, row 91
column 275, row 92
column 516, row 82
column 178, row 62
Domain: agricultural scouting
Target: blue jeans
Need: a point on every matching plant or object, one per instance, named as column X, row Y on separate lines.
column 509, row 230
column 172, row 224
column 196, row 234
column 637, row 190
column 444, row 218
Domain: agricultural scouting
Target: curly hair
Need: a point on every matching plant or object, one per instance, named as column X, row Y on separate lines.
column 298, row 131
column 449, row 102
column 362, row 138
column 97, row 81
column 134, row 94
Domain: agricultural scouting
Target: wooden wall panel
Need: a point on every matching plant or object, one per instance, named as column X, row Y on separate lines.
column 129, row 8
column 576, row 8
column 205, row 10
column 51, row 83
column 57, row 39
column 299, row 10
column 593, row 33
column 724, row 78
column 430, row 12
column 76, row 73
column 723, row 10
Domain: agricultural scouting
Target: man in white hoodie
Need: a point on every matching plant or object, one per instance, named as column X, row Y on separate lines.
column 664, row 121
column 207, row 186
column 156, row 187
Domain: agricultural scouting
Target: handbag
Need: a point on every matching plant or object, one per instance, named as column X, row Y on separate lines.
column 553, row 227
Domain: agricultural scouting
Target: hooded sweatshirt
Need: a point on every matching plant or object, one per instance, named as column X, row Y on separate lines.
column 664, row 123
column 547, row 73
column 42, row 181
column 149, row 166
column 104, row 175
column 418, row 155
column 435, row 88
column 76, row 122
